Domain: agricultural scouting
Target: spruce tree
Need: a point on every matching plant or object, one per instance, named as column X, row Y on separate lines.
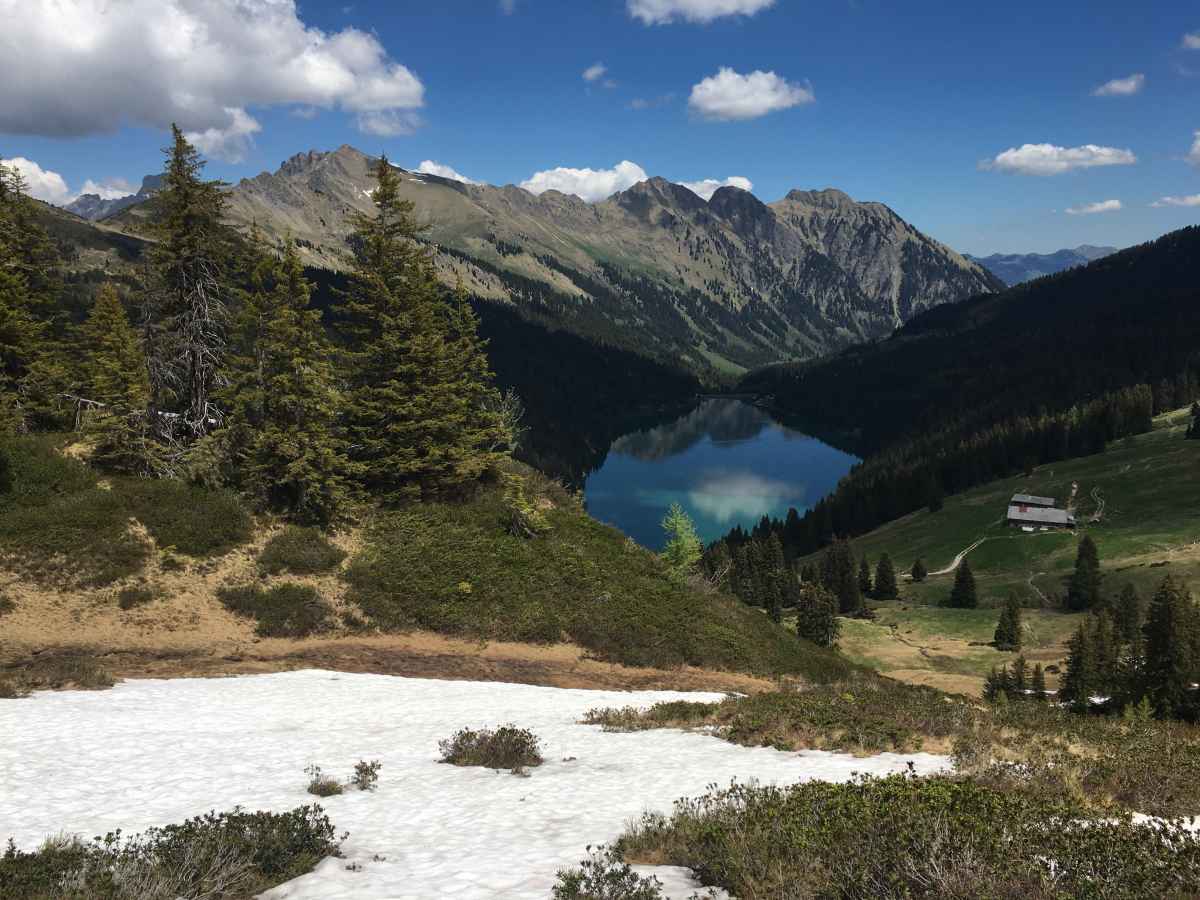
column 962, row 595
column 1171, row 664
column 919, row 571
column 864, row 577
column 816, row 615
column 187, row 300
column 1008, row 629
column 1020, row 675
column 114, row 375
column 1129, row 615
column 886, row 589
column 837, row 575
column 1037, row 683
column 416, row 423
column 295, row 455
column 1079, row 682
column 1083, row 590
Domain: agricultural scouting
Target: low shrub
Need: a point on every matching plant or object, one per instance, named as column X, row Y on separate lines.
column 301, row 551
column 508, row 747
column 75, row 671
column 215, row 856
column 904, row 836
column 136, row 595
column 366, row 774
column 286, row 610
column 6, row 605
column 605, row 876
column 322, row 785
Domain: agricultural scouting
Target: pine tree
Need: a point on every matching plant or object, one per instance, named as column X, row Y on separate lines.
column 188, row 296
column 1171, row 664
column 816, row 615
column 114, row 374
column 886, row 589
column 1020, row 674
column 1037, row 683
column 779, row 576
column 919, row 571
column 962, row 595
column 1079, row 680
column 1083, row 591
column 864, row 577
column 682, row 551
column 1008, row 629
column 1129, row 615
column 837, row 576
column 294, row 456
column 416, row 422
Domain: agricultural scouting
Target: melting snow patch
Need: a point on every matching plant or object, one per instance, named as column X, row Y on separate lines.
column 154, row 752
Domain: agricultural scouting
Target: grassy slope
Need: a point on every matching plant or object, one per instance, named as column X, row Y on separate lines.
column 1151, row 488
column 452, row 568
column 69, row 536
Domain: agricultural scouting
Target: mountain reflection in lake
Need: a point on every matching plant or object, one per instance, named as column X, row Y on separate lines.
column 726, row 462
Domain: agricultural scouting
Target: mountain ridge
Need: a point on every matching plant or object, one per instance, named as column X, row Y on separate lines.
column 1016, row 268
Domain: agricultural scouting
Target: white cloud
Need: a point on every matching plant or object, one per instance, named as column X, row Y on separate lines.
column 1121, row 87
column 1189, row 200
column 201, row 63
column 589, row 184
column 742, row 495
column 708, row 186
column 429, row 167
column 109, row 189
column 51, row 187
column 729, row 95
column 230, row 142
column 663, row 12
column 1047, row 159
column 1194, row 154
column 388, row 122
column 594, row 73
column 1091, row 209
column 39, row 182
column 1192, row 41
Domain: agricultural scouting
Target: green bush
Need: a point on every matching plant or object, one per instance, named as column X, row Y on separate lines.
column 366, row 774
column 286, row 610
column 581, row 581
column 215, row 856
column 903, row 836
column 59, row 525
column 135, row 595
column 508, row 747
column 605, row 876
column 301, row 551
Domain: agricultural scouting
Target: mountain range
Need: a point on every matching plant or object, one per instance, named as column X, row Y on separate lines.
column 93, row 207
column 718, row 285
column 1015, row 268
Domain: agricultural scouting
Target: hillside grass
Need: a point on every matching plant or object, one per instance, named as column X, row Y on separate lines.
column 1150, row 528
column 63, row 524
column 454, row 569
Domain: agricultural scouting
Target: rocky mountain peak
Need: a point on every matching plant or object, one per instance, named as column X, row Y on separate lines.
column 829, row 198
column 301, row 162
column 749, row 216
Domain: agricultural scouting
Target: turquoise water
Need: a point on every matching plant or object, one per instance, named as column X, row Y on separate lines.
column 726, row 462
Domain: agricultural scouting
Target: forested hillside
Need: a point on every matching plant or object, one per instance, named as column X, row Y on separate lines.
column 979, row 390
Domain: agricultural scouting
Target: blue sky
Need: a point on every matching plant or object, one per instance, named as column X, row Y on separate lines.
column 906, row 107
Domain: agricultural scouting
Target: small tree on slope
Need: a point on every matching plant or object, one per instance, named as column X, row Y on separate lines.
column 886, row 588
column 1008, row 629
column 683, row 548
column 962, row 595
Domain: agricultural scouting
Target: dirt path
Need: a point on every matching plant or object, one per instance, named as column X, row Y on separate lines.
column 954, row 564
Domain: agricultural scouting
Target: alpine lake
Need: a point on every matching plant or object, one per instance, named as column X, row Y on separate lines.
column 727, row 462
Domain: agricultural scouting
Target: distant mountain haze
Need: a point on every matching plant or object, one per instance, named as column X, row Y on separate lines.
column 718, row 285
column 94, row 208
column 1015, row 268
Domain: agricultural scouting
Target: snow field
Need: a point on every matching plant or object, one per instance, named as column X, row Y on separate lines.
column 159, row 751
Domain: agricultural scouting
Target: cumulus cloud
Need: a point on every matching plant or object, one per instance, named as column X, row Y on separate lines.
column 51, row 187
column 79, row 67
column 708, row 186
column 1194, row 154
column 229, row 142
column 429, row 167
column 39, row 182
column 1121, row 87
column 1192, row 41
column 664, row 12
column 109, row 189
column 729, row 95
column 1047, row 159
column 1091, row 209
column 1189, row 200
column 589, row 184
column 594, row 73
